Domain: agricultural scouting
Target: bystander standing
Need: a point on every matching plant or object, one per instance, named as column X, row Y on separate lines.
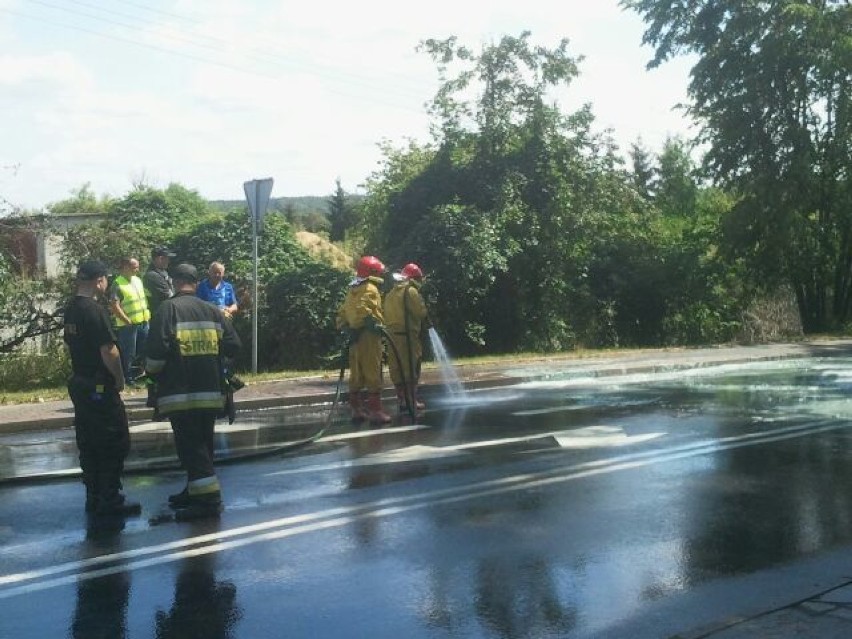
column 100, row 419
column 217, row 291
column 129, row 307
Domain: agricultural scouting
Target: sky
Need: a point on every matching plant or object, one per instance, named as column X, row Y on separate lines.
column 212, row 93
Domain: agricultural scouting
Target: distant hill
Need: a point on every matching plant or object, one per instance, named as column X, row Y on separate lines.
column 299, row 204
column 309, row 212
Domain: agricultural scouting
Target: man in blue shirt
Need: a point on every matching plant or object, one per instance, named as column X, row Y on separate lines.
column 217, row 291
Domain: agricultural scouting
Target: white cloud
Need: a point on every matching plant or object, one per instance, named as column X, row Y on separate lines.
column 56, row 70
column 212, row 93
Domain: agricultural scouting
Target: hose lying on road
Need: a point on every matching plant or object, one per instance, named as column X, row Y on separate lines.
column 272, row 450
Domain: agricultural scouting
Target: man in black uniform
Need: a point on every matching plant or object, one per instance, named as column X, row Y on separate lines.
column 158, row 285
column 100, row 421
column 187, row 343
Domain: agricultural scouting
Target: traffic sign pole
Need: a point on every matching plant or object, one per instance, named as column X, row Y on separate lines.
column 257, row 194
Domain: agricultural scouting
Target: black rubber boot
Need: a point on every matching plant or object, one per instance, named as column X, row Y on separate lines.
column 92, row 493
column 117, row 505
column 204, row 506
column 111, row 501
column 180, row 500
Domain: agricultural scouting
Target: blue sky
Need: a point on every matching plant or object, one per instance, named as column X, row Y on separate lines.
column 210, row 93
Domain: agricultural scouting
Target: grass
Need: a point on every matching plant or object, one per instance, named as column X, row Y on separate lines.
column 49, row 393
column 38, row 394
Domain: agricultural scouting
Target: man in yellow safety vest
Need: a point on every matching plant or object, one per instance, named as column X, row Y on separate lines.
column 130, row 314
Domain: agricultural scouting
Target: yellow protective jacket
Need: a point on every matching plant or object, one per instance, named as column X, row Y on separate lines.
column 131, row 295
column 405, row 315
column 363, row 299
column 405, row 310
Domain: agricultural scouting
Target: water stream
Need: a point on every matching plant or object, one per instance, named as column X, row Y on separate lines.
column 452, row 383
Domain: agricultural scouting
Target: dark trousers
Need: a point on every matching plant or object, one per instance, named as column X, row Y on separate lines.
column 131, row 346
column 194, row 441
column 102, row 433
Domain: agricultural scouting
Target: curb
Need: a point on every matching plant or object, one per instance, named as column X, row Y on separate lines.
column 478, row 376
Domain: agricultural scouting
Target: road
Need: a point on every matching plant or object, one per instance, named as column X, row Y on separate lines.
column 640, row 505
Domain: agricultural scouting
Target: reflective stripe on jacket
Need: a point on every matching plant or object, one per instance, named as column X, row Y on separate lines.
column 186, row 342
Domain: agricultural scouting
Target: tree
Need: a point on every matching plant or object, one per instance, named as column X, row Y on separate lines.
column 81, row 202
column 290, row 213
column 127, row 226
column 7, row 207
column 298, row 328
column 772, row 91
column 160, row 214
column 227, row 238
column 462, row 206
column 643, row 173
column 28, row 304
column 513, row 206
column 676, row 187
column 339, row 214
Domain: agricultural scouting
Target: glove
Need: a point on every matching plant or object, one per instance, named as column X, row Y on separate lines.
column 374, row 326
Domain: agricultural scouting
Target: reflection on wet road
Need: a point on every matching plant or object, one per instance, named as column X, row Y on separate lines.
column 562, row 506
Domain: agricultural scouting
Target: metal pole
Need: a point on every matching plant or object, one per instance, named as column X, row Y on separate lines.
column 254, row 292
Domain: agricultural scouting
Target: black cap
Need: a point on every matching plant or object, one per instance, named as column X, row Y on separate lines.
column 185, row 273
column 91, row 270
column 162, row 250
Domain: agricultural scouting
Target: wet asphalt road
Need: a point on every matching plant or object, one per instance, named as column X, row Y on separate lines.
column 622, row 507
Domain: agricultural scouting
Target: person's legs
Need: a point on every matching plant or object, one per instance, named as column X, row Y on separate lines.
column 126, row 348
column 194, row 438
column 191, row 441
column 395, row 368
column 141, row 338
column 115, row 437
column 85, row 444
column 356, row 405
column 103, row 439
column 370, row 362
column 417, row 354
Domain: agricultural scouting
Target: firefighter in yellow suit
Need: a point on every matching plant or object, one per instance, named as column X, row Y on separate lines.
column 361, row 316
column 406, row 317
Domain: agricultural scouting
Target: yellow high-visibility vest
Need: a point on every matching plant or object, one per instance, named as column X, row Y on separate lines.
column 133, row 300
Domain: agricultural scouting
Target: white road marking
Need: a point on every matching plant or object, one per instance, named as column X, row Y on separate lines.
column 220, row 541
column 601, row 436
column 587, row 437
column 370, row 433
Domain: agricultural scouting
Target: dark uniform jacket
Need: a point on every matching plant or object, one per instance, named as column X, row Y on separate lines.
column 86, row 328
column 187, row 342
column 158, row 287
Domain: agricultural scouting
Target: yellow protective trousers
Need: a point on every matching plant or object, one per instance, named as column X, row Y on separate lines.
column 410, row 351
column 405, row 314
column 365, row 363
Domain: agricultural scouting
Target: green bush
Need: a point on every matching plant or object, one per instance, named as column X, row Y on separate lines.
column 26, row 370
column 297, row 328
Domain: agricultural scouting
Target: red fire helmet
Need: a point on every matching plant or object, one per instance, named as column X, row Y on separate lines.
column 412, row 271
column 369, row 265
